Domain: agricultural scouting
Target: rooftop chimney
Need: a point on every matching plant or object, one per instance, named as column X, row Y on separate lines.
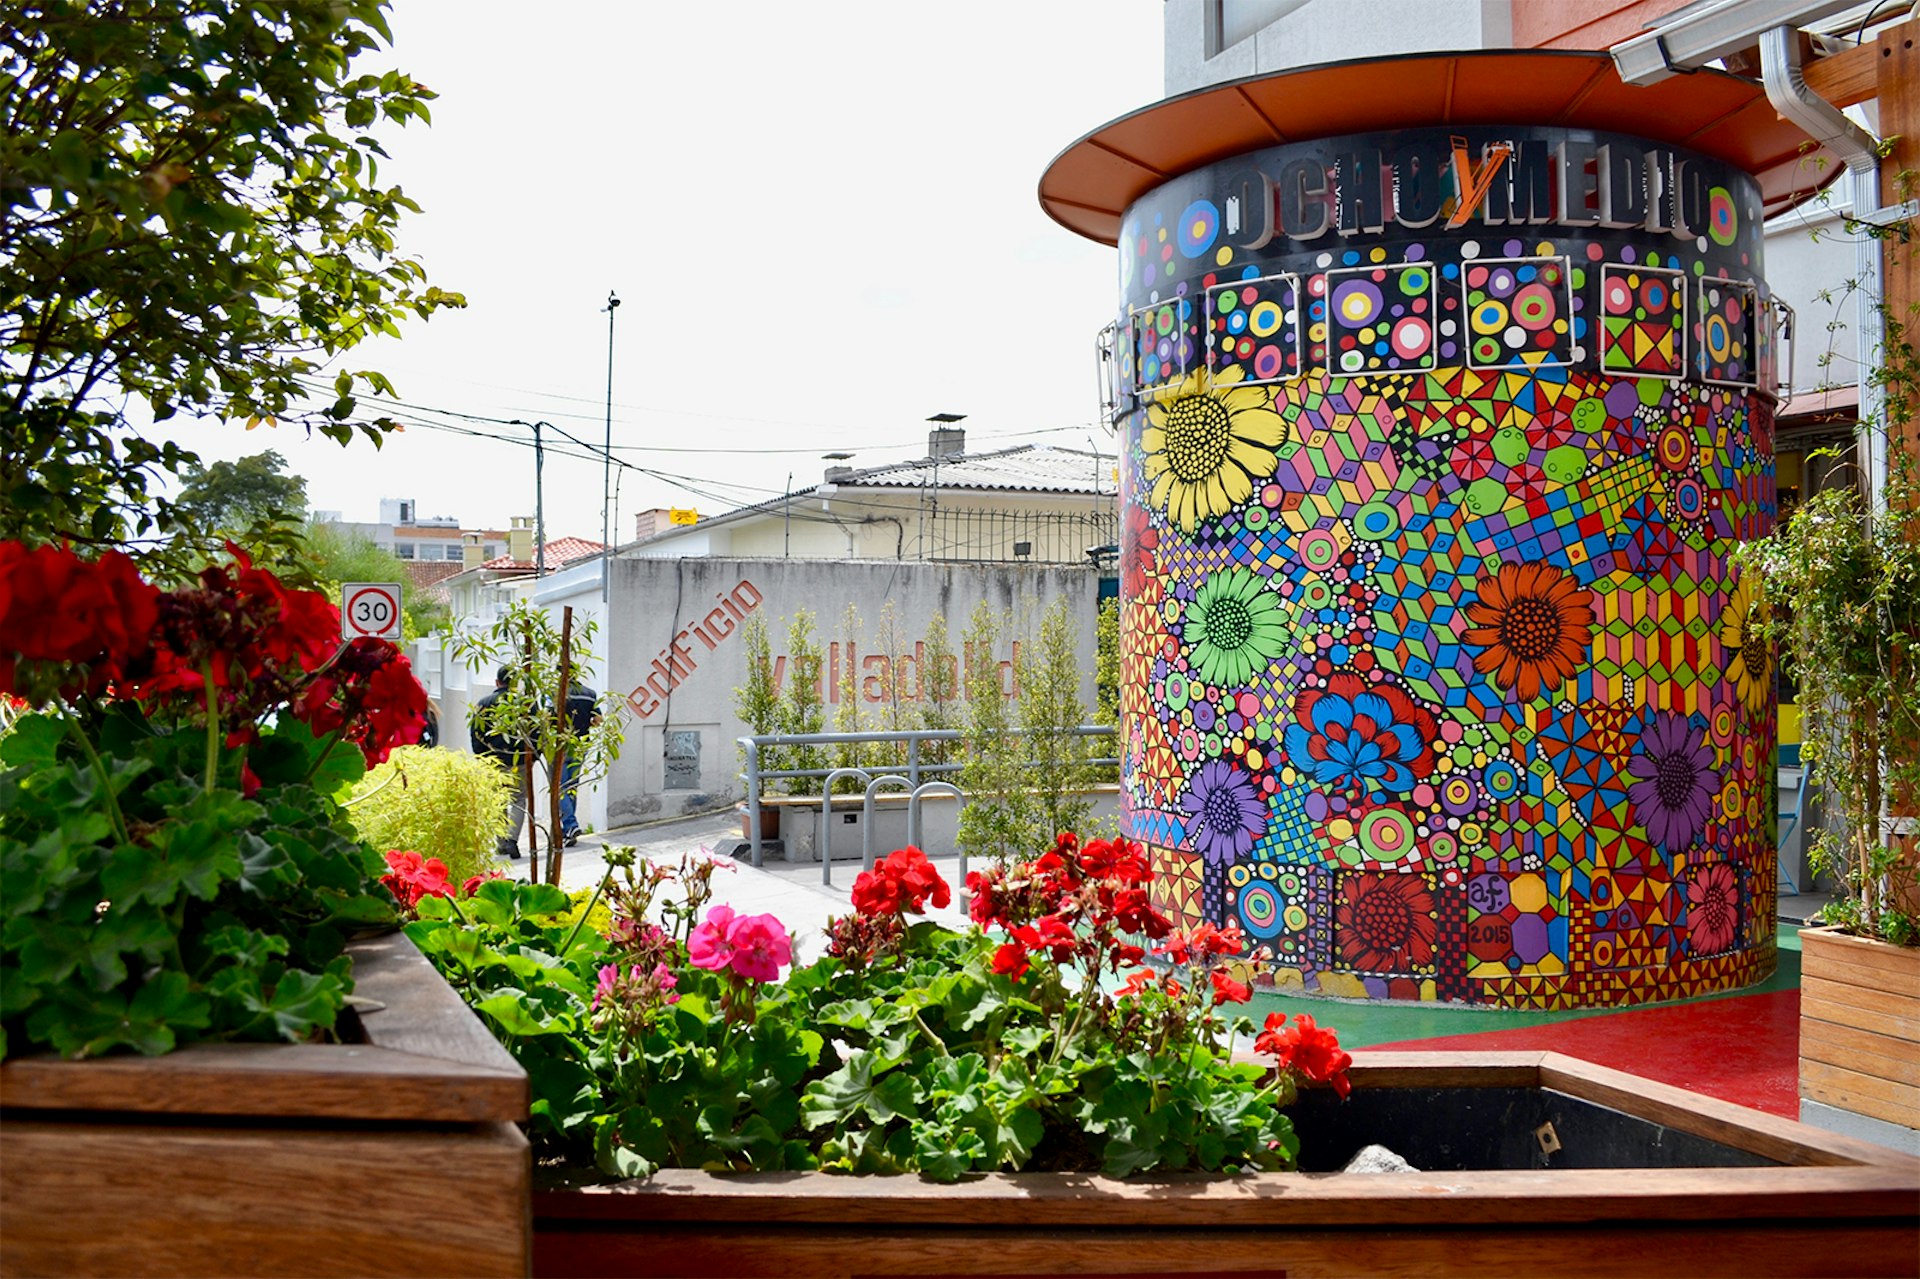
column 837, row 473
column 520, row 539
column 473, row 551
column 946, row 439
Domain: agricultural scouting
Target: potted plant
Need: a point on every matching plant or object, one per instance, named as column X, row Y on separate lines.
column 1029, row 1097
column 1839, row 591
column 180, row 881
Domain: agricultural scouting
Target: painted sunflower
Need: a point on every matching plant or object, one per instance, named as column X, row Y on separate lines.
column 1234, row 627
column 1533, row 624
column 1749, row 652
column 1206, row 441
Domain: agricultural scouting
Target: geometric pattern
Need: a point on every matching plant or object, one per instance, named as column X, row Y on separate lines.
column 1164, row 340
column 1377, row 319
column 1459, row 639
column 1643, row 317
column 1723, row 332
column 1254, row 326
column 1519, row 312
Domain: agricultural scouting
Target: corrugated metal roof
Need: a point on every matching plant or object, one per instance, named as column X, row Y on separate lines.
column 1026, row 468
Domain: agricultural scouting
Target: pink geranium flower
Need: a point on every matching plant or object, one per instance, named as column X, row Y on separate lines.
column 761, row 947
column 755, row 946
column 708, row 946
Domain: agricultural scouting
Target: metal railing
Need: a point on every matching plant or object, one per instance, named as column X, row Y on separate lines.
column 919, row 777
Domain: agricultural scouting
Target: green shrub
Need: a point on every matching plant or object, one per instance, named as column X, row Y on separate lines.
column 439, row 803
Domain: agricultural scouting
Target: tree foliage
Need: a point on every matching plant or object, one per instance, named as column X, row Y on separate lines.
column 192, row 217
column 250, row 502
column 1051, row 713
column 330, row 556
column 999, row 819
column 527, row 639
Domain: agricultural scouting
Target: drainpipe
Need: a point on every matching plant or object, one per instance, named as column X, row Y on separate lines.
column 1781, row 72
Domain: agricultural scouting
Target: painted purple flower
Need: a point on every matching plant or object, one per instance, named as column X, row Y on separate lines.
column 1226, row 811
column 1676, row 783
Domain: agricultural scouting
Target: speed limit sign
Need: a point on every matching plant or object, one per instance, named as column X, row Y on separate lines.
column 370, row 610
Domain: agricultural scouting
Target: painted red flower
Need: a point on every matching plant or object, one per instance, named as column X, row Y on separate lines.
column 1713, row 909
column 1139, row 567
column 1385, row 922
column 1533, row 624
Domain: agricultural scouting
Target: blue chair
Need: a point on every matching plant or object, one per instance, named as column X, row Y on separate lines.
column 1792, row 777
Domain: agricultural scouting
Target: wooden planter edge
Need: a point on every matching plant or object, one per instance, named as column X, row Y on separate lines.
column 1825, row 1174
column 426, row 1059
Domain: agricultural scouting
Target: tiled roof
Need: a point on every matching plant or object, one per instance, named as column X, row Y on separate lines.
column 425, row 576
column 560, row 551
column 1029, row 468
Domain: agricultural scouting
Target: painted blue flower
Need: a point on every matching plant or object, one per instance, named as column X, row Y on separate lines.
column 1353, row 735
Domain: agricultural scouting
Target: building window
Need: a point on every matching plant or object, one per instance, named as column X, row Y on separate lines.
column 452, row 552
column 403, row 549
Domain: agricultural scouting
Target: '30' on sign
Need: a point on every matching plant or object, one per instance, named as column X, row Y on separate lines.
column 370, row 610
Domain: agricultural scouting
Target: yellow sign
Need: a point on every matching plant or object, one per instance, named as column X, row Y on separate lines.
column 677, row 515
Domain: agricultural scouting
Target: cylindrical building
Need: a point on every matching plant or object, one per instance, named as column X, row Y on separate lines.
column 1440, row 434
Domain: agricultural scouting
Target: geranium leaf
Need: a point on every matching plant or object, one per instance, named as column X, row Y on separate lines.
column 852, row 1090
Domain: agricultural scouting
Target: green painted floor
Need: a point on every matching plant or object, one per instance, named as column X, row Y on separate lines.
column 1363, row 1023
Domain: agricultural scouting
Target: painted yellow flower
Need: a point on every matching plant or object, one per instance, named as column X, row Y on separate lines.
column 1749, row 651
column 1206, row 442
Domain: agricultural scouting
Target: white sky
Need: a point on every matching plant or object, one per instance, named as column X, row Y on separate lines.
column 820, row 218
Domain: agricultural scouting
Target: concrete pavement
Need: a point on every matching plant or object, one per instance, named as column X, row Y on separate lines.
column 789, row 891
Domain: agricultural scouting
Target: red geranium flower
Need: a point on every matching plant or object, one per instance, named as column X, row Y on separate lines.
column 58, row 608
column 1012, row 960
column 904, row 881
column 1228, row 991
column 411, row 877
column 1309, row 1050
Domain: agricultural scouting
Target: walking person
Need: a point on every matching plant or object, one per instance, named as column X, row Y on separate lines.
column 509, row 755
column 583, row 712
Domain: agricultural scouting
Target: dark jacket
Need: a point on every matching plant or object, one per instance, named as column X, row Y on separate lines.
column 582, row 708
column 491, row 745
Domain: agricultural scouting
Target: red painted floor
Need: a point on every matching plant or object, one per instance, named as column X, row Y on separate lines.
column 1744, row 1049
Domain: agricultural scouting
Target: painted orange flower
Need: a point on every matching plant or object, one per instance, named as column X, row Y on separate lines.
column 1533, row 624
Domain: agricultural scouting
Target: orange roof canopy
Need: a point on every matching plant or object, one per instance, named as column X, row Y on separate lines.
column 1089, row 186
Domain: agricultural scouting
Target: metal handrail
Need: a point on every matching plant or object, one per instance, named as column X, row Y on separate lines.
column 755, row 776
column 824, row 826
column 866, row 813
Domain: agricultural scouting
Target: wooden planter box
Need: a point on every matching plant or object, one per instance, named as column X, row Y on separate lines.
column 396, row 1155
column 1779, row 1198
column 1860, row 1025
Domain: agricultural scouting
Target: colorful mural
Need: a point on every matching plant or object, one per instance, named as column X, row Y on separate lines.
column 1437, row 676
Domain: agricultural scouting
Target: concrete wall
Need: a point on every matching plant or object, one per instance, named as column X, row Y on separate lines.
column 1305, row 32
column 1810, row 258
column 676, row 651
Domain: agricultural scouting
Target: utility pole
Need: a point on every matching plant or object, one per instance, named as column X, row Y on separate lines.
column 787, row 506
column 606, row 478
column 539, row 506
